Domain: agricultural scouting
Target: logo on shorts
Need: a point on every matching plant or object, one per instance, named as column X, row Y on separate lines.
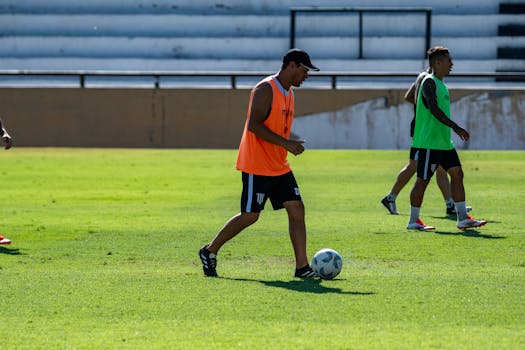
column 260, row 198
column 297, row 191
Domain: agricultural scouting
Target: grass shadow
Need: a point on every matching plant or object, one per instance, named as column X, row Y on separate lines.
column 469, row 233
column 454, row 218
column 8, row 251
column 307, row 285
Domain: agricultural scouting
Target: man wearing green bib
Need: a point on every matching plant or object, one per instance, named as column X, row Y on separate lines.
column 433, row 143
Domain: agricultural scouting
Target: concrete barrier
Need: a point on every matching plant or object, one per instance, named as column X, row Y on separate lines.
column 495, row 120
column 214, row 118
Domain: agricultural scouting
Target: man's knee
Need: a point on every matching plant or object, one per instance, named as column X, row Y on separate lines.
column 420, row 185
column 295, row 209
column 456, row 173
column 249, row 218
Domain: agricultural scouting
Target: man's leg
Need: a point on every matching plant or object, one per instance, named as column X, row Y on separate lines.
column 458, row 193
column 232, row 227
column 416, row 199
column 404, row 176
column 457, row 188
column 208, row 253
column 444, row 184
column 418, row 192
column 425, row 170
column 402, row 179
column 297, row 229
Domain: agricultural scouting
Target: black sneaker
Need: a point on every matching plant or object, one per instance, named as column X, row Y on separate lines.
column 390, row 205
column 452, row 210
column 304, row 272
column 209, row 262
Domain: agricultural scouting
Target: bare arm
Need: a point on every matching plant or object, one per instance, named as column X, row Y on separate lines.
column 6, row 138
column 261, row 105
column 429, row 93
column 410, row 94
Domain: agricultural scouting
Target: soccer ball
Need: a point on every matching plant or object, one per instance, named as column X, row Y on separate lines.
column 327, row 263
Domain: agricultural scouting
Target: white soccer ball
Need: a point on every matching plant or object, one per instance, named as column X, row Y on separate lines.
column 327, row 263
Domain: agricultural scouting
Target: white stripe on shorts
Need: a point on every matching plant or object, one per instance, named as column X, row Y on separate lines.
column 427, row 161
column 250, row 194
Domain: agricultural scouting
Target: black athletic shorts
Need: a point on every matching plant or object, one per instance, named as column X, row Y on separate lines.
column 429, row 159
column 413, row 153
column 256, row 189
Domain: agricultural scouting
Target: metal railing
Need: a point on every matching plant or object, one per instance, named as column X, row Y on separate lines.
column 360, row 11
column 333, row 77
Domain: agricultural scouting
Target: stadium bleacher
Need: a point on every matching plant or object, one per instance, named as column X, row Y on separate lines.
column 251, row 35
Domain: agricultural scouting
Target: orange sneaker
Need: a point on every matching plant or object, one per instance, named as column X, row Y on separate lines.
column 470, row 222
column 4, row 240
column 420, row 226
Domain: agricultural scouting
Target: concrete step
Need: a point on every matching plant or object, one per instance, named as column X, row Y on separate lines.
column 180, row 25
column 257, row 7
column 248, row 48
column 258, row 65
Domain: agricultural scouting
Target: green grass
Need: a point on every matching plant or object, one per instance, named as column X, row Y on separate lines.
column 105, row 242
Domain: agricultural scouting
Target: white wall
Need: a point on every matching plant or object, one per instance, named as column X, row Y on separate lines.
column 494, row 120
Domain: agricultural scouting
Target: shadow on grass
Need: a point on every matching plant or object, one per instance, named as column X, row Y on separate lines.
column 8, row 251
column 454, row 218
column 312, row 285
column 469, row 233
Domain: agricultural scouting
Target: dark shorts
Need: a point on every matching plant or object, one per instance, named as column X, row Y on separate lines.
column 429, row 159
column 413, row 154
column 256, row 189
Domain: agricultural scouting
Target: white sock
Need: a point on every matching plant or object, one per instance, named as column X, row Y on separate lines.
column 414, row 214
column 391, row 197
column 461, row 209
column 449, row 202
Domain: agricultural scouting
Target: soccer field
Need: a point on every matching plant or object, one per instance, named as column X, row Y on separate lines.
column 105, row 242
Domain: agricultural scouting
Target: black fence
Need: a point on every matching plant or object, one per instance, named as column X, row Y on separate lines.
column 333, row 77
column 360, row 11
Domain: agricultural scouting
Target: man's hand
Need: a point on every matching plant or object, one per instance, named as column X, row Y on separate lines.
column 295, row 147
column 7, row 140
column 462, row 133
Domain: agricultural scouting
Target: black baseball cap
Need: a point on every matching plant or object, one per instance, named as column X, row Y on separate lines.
column 300, row 57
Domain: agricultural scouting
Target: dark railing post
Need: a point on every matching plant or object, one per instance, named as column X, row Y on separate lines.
column 292, row 29
column 233, row 82
column 360, row 34
column 82, row 80
column 428, row 32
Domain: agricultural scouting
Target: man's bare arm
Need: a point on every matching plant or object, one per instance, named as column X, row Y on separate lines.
column 410, row 94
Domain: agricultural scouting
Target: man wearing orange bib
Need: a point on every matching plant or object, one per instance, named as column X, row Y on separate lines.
column 262, row 159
